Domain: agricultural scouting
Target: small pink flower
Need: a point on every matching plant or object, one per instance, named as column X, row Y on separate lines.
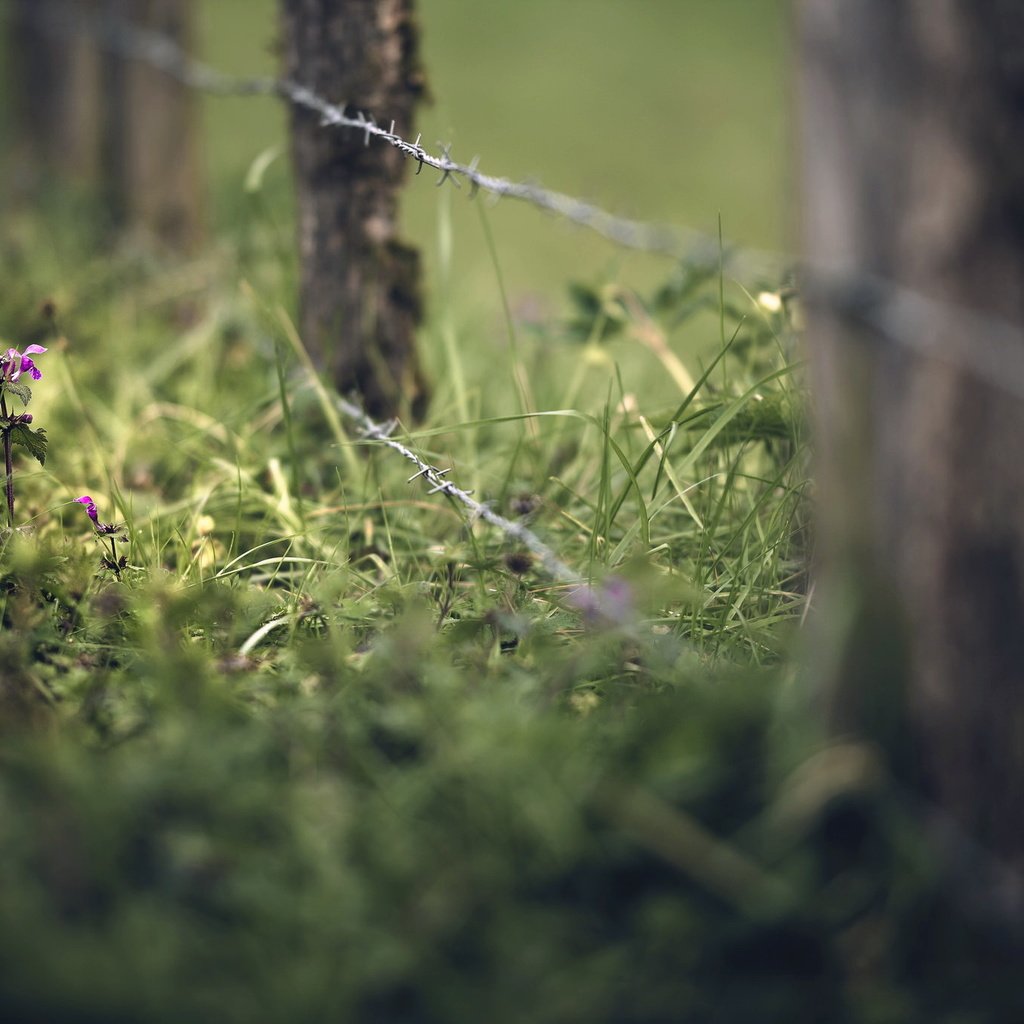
column 111, row 531
column 611, row 603
column 14, row 363
column 90, row 507
column 103, row 529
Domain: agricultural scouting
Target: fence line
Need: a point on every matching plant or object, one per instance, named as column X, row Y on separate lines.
column 61, row 18
column 899, row 314
column 988, row 347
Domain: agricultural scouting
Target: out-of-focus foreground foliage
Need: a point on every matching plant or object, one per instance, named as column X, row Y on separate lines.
column 404, row 837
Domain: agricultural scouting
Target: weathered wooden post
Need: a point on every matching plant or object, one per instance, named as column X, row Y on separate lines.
column 913, row 171
column 150, row 131
column 360, row 300
column 52, row 79
column 86, row 111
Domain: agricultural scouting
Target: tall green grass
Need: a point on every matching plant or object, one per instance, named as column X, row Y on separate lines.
column 179, row 397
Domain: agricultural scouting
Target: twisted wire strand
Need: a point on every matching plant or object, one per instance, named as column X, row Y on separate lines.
column 62, row 19
column 438, row 482
column 901, row 315
column 898, row 313
column 988, row 347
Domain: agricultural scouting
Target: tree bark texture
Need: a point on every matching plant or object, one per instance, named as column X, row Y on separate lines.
column 53, row 84
column 360, row 292
column 151, row 157
column 913, row 170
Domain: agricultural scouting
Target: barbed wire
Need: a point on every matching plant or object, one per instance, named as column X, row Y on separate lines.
column 988, row 347
column 438, row 482
column 62, row 19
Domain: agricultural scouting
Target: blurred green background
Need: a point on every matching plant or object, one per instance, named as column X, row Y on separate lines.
column 666, row 110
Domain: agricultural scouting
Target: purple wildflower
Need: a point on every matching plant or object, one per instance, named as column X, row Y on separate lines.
column 111, row 531
column 14, row 363
column 103, row 529
column 611, row 603
column 90, row 507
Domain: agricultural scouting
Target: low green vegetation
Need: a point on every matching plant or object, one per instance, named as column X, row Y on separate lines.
column 324, row 748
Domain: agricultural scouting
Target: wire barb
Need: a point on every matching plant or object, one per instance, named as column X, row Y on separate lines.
column 447, row 167
column 555, row 568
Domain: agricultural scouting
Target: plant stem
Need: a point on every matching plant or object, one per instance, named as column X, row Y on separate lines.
column 113, row 560
column 8, row 463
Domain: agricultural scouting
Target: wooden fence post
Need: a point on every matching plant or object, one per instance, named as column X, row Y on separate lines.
column 83, row 111
column 913, row 172
column 150, row 132
column 359, row 297
column 53, row 84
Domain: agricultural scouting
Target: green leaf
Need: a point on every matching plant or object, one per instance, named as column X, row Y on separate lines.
column 22, row 391
column 34, row 440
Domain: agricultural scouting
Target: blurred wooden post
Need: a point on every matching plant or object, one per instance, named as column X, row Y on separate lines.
column 85, row 113
column 53, row 84
column 150, row 133
column 359, row 297
column 913, row 170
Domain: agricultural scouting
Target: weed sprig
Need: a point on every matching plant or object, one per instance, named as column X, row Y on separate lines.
column 15, row 428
